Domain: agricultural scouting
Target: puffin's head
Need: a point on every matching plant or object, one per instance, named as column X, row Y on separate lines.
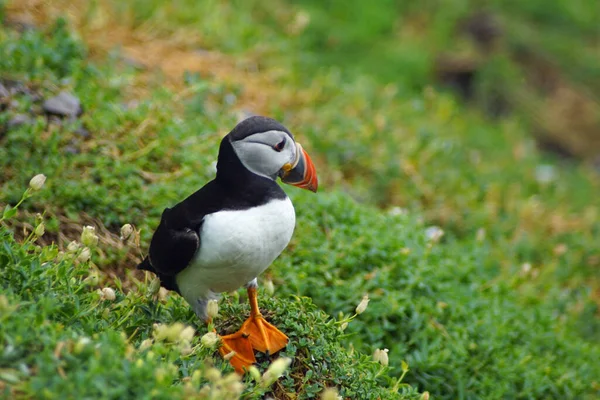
column 267, row 148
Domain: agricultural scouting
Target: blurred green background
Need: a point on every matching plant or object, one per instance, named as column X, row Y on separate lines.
column 479, row 118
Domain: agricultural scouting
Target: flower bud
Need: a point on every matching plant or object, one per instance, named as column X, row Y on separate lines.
column 85, row 255
column 362, row 306
column 108, row 294
column 37, row 182
column 73, row 247
column 425, row 396
column 254, row 373
column 229, row 355
column 40, row 230
column 275, row 370
column 343, row 326
column 89, row 237
column 92, row 279
column 212, row 308
column 196, row 376
column 154, row 287
column 381, row 356
column 209, row 340
column 269, row 287
column 146, row 344
column 126, row 231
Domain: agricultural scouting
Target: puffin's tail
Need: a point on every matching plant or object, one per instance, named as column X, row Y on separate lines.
column 146, row 266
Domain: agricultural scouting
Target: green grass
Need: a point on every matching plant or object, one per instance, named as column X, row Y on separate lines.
column 466, row 313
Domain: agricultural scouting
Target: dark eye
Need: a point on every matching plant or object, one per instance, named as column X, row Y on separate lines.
column 279, row 146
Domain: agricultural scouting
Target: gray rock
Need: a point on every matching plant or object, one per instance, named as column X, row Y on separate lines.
column 3, row 91
column 71, row 150
column 63, row 105
column 18, row 120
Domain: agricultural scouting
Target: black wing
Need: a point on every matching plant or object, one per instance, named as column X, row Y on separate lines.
column 174, row 244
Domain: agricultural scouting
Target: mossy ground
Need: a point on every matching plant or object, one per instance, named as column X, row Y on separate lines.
column 505, row 305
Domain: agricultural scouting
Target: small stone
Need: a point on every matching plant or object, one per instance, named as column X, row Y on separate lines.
column 83, row 133
column 3, row 91
column 18, row 120
column 63, row 105
column 71, row 150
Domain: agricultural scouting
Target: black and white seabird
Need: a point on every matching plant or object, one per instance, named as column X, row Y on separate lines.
column 227, row 233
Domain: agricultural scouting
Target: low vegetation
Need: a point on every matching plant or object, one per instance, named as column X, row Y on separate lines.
column 478, row 252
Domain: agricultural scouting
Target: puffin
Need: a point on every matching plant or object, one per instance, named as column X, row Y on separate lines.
column 224, row 235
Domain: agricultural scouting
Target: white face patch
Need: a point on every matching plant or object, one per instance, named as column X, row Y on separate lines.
column 258, row 154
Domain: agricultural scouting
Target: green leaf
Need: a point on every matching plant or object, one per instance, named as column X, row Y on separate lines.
column 404, row 366
column 9, row 212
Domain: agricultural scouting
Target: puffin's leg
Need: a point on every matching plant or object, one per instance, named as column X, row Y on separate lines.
column 237, row 342
column 263, row 336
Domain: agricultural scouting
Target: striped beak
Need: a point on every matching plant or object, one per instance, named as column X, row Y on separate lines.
column 301, row 172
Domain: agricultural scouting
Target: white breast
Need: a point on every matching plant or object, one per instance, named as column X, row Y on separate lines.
column 236, row 246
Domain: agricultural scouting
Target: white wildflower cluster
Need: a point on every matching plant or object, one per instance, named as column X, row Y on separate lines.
column 176, row 333
column 219, row 386
column 330, row 394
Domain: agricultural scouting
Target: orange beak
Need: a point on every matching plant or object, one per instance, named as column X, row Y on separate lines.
column 302, row 172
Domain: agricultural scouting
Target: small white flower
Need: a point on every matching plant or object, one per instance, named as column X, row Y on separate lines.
column 108, row 294
column 362, row 306
column 394, row 211
column 330, row 394
column 126, row 231
column 187, row 334
column 209, row 340
column 85, row 255
column 275, row 370
column 37, row 182
column 212, row 308
column 89, row 237
column 434, row 233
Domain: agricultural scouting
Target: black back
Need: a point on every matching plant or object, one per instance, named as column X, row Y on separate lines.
column 176, row 240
